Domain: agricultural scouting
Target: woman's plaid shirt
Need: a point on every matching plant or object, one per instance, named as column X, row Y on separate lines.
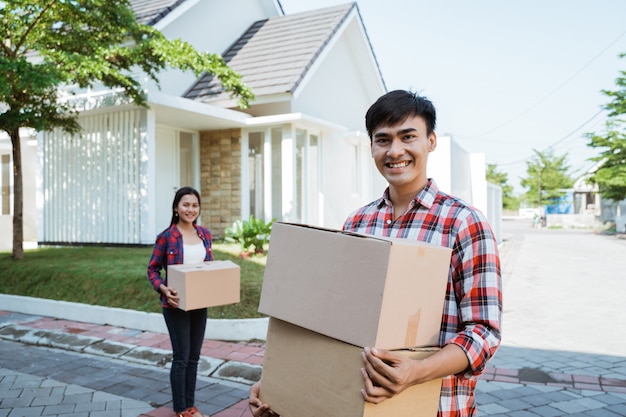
column 473, row 307
column 168, row 250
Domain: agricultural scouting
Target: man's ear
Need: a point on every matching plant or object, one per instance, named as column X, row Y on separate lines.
column 432, row 142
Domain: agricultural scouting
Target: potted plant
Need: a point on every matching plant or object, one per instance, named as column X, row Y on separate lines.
column 250, row 233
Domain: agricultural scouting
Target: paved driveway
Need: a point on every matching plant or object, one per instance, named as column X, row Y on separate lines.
column 564, row 289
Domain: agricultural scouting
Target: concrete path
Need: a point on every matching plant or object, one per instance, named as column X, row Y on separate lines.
column 562, row 352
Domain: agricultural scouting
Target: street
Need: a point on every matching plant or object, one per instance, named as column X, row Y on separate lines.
column 563, row 289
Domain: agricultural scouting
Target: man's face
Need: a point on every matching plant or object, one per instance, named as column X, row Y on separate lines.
column 401, row 152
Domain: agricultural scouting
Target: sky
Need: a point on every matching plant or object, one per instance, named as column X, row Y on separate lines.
column 507, row 77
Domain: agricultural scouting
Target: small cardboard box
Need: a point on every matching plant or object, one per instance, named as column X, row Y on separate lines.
column 206, row 284
column 306, row 374
column 360, row 289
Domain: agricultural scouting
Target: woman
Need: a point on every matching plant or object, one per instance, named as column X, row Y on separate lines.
column 184, row 242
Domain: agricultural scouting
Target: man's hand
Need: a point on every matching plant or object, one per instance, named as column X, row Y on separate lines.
column 385, row 374
column 257, row 408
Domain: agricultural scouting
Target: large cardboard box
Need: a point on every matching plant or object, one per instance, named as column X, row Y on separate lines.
column 360, row 289
column 306, row 374
column 206, row 284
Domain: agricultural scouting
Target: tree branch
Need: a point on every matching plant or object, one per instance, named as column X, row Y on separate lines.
column 19, row 44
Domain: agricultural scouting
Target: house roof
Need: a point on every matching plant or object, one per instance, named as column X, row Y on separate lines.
column 149, row 12
column 274, row 55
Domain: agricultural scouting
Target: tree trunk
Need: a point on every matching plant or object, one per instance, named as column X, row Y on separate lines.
column 18, row 196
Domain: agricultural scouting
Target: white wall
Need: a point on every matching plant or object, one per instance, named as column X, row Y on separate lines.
column 342, row 85
column 462, row 174
column 494, row 209
column 339, row 89
column 440, row 164
column 347, row 176
column 478, row 182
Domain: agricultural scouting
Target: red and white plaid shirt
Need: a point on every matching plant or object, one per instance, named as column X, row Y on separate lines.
column 473, row 307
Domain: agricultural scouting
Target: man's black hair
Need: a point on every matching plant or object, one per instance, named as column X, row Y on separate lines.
column 396, row 106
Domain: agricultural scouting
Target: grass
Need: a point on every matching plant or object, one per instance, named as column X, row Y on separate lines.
column 115, row 277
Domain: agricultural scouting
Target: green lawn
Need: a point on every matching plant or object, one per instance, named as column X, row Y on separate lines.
column 115, row 277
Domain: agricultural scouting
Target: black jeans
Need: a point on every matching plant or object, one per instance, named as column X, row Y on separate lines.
column 186, row 330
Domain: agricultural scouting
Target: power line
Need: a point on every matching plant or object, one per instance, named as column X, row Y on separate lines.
column 558, row 141
column 556, row 89
column 575, row 130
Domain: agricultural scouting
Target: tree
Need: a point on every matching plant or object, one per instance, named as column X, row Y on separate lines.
column 548, row 178
column 611, row 173
column 47, row 46
column 509, row 201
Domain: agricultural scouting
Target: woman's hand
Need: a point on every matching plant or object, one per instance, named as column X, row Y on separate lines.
column 171, row 295
column 257, row 408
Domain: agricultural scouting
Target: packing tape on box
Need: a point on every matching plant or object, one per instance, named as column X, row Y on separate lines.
column 412, row 327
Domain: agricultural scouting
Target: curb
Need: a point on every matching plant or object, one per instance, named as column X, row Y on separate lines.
column 217, row 329
column 234, row 371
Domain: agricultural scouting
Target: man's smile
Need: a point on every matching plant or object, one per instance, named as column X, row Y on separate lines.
column 401, row 164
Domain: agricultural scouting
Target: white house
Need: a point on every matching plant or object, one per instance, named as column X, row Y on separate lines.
column 590, row 209
column 299, row 153
column 294, row 155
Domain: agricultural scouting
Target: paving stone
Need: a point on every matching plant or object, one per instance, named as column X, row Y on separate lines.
column 47, row 400
column 546, row 411
column 26, row 411
column 522, row 413
column 493, row 408
column 90, row 406
column 602, row 412
column 58, row 409
column 619, row 409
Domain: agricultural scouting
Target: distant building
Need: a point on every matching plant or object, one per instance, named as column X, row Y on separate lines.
column 584, row 207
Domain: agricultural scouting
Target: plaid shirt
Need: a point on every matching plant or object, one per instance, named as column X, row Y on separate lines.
column 473, row 307
column 168, row 250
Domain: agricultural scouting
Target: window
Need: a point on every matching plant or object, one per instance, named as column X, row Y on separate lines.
column 355, row 170
column 283, row 175
column 255, row 177
column 307, row 177
column 187, row 156
column 277, row 173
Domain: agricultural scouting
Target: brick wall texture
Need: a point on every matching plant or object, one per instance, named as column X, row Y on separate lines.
column 220, row 179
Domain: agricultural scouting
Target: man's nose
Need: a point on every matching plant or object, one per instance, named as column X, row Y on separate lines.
column 396, row 147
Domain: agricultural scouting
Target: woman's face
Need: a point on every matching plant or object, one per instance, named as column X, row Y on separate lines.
column 188, row 208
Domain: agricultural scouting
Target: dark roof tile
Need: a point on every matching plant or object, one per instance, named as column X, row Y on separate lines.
column 149, row 12
column 274, row 55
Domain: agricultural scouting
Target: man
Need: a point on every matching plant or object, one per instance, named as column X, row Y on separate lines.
column 401, row 127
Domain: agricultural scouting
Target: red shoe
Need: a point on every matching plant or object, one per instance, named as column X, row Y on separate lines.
column 185, row 414
column 194, row 412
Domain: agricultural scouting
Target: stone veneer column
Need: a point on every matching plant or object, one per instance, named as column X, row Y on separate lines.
column 220, row 179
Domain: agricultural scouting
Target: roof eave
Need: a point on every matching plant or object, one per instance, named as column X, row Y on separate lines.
column 193, row 115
